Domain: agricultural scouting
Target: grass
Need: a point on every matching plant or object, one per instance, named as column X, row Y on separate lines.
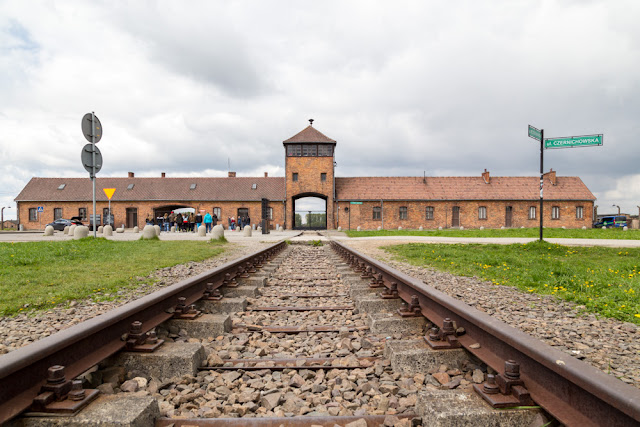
column 40, row 275
column 605, row 281
column 589, row 233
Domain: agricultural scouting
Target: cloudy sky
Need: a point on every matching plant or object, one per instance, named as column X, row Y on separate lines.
column 406, row 88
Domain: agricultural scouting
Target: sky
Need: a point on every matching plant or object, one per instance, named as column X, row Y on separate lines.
column 406, row 88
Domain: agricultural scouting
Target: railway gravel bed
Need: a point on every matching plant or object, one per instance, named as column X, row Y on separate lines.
column 608, row 344
column 21, row 330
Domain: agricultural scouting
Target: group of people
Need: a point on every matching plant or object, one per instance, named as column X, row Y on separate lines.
column 184, row 221
column 242, row 221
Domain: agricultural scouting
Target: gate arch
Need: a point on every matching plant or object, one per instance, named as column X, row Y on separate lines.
column 309, row 214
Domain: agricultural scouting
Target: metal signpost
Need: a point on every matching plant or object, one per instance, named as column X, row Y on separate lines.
column 562, row 142
column 91, row 156
column 40, row 210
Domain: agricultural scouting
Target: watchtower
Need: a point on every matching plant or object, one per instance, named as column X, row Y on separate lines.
column 309, row 167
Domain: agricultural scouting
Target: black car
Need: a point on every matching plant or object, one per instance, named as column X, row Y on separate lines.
column 60, row 224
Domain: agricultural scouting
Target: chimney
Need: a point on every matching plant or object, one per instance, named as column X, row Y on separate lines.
column 163, row 175
column 551, row 175
column 486, row 177
column 131, row 174
column 266, row 174
column 232, row 174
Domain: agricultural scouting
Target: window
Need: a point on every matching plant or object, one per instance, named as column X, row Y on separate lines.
column 270, row 212
column 61, row 186
column 294, row 150
column 295, row 177
column 217, row 212
column 403, row 212
column 579, row 212
column 555, row 212
column 254, row 186
column 323, row 177
column 82, row 213
column 33, row 214
column 532, row 212
column 192, row 186
column 325, row 150
column 309, row 150
column 130, row 186
column 377, row 212
column 57, row 213
column 482, row 212
column 429, row 212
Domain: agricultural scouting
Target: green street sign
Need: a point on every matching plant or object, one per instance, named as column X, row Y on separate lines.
column 535, row 133
column 356, row 203
column 573, row 141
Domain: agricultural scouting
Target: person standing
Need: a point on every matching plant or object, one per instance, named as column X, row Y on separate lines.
column 214, row 220
column 165, row 222
column 192, row 221
column 247, row 220
column 198, row 220
column 178, row 221
column 207, row 222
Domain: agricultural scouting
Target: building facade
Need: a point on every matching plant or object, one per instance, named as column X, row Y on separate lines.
column 350, row 202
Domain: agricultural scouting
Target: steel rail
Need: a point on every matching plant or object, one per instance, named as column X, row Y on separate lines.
column 574, row 392
column 78, row 348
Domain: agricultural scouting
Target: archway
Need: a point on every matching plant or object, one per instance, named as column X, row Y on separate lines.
column 309, row 211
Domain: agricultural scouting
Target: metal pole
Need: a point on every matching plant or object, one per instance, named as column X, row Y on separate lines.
column 2, row 218
column 93, row 170
column 541, row 179
column 382, row 212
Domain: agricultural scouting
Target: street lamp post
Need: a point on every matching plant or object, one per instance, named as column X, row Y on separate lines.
column 616, row 206
column 2, row 215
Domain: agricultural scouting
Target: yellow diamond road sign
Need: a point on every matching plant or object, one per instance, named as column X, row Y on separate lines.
column 109, row 192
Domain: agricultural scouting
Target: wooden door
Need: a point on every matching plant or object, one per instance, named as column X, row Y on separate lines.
column 455, row 216
column 508, row 216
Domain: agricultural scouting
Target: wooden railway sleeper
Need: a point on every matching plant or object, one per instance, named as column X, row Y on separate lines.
column 505, row 390
column 61, row 396
column 141, row 342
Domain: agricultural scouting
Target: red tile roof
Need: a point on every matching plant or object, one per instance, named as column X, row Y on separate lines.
column 218, row 189
column 310, row 134
column 460, row 188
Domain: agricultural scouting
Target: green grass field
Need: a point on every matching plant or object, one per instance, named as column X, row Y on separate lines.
column 605, row 280
column 41, row 275
column 590, row 233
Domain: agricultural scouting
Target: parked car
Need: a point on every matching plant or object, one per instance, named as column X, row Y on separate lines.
column 611, row 221
column 60, row 224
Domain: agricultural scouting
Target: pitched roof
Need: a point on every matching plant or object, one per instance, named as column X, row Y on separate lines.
column 310, row 134
column 460, row 188
column 178, row 189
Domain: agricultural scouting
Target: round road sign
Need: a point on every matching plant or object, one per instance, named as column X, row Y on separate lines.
column 88, row 131
column 87, row 158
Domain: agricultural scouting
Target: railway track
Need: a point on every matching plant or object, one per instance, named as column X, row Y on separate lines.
column 305, row 335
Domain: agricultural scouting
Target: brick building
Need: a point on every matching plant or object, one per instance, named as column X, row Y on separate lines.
column 368, row 202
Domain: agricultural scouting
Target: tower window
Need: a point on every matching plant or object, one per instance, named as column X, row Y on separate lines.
column 295, row 177
column 323, row 177
column 309, row 150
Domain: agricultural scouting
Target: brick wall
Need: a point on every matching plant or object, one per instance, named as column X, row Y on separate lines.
column 119, row 209
column 362, row 215
column 309, row 170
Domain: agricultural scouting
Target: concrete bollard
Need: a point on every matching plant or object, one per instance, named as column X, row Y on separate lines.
column 461, row 228
column 149, row 232
column 439, row 228
column 258, row 229
column 107, row 231
column 502, row 228
column 120, row 230
column 339, row 228
column 247, row 231
column 48, row 230
column 625, row 228
column 217, row 232
column 420, row 228
column 157, row 228
column 400, row 228
column 80, row 232
column 358, row 228
column 379, row 228
column 584, row 227
column 21, row 227
column 202, row 231
column 604, row 227
column 563, row 227
column 100, row 229
column 72, row 229
column 136, row 229
column 66, row 230
column 481, row 227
